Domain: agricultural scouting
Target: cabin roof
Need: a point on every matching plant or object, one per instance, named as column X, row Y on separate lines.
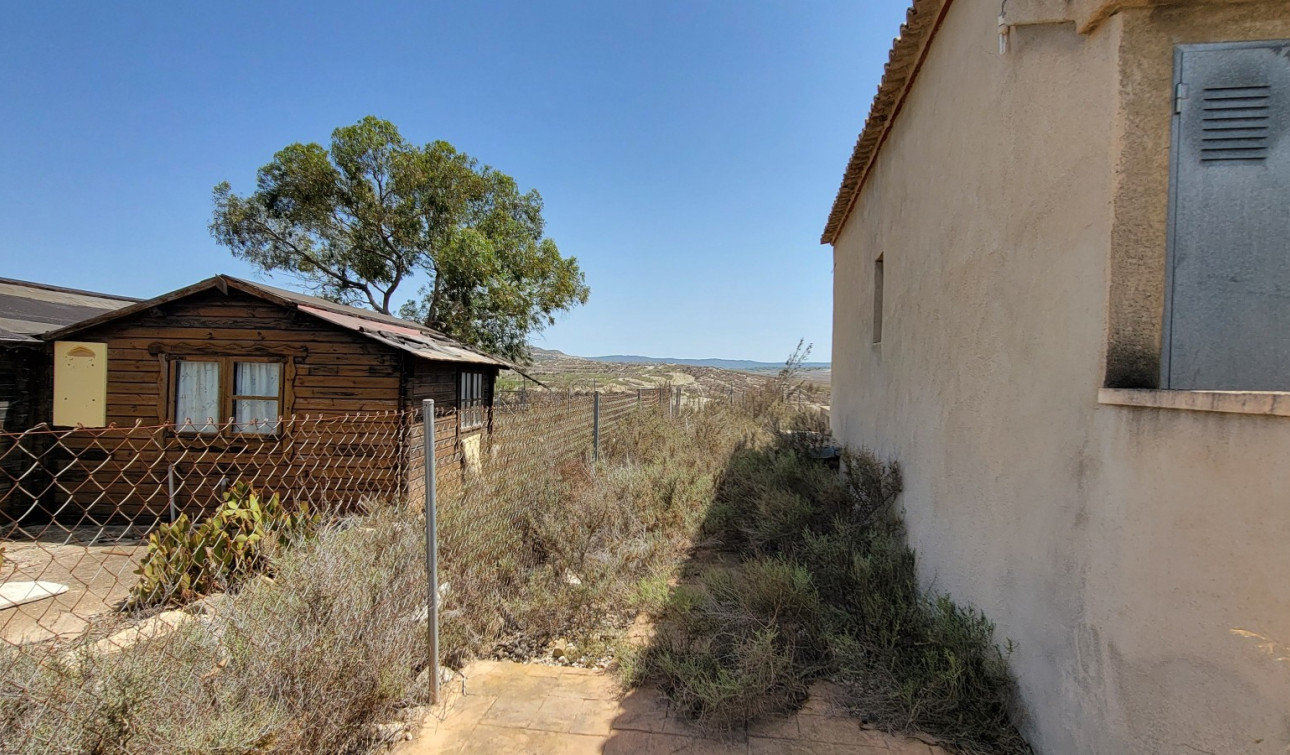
column 28, row 309
column 404, row 335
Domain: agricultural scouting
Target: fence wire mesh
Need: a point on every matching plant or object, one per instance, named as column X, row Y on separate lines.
column 509, row 554
column 296, row 623
column 231, row 633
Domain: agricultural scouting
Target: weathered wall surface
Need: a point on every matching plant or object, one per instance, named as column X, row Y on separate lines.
column 1019, row 206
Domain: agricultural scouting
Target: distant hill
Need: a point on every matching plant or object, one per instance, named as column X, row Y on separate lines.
column 740, row 365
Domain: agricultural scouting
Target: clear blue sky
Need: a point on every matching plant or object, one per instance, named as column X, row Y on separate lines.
column 688, row 152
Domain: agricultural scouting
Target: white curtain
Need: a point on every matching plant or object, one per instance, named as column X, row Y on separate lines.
column 259, row 415
column 257, row 379
column 197, row 403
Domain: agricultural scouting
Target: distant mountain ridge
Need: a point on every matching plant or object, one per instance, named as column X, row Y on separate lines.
column 741, row 365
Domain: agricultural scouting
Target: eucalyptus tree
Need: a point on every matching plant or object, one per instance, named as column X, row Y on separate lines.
column 371, row 215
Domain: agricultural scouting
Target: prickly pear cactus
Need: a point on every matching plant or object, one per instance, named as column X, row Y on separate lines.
column 186, row 561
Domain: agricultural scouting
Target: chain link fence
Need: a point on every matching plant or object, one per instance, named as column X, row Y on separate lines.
column 295, row 618
column 105, row 648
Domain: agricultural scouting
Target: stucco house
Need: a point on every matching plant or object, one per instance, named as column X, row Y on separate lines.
column 1062, row 301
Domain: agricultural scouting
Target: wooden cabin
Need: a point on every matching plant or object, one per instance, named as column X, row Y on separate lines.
column 28, row 310
column 229, row 379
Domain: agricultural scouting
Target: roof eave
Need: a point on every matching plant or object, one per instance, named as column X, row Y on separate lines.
column 114, row 314
column 223, row 283
column 908, row 51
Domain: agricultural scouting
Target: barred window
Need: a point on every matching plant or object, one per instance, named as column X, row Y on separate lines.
column 472, row 400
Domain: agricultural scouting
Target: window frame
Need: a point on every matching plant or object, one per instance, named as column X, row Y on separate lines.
column 224, row 423
column 878, row 286
column 1165, row 378
column 473, row 413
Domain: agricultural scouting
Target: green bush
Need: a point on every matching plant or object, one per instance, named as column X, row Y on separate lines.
column 185, row 562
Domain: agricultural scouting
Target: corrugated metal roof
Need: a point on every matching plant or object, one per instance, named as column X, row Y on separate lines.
column 29, row 309
column 404, row 335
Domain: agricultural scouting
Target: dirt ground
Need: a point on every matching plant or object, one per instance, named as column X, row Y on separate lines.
column 97, row 565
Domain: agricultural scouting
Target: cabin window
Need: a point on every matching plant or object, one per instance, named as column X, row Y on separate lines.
column 471, row 400
column 197, row 396
column 256, row 388
column 208, row 390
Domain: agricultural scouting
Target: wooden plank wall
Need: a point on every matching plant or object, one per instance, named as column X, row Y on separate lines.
column 26, row 373
column 330, row 372
column 437, row 381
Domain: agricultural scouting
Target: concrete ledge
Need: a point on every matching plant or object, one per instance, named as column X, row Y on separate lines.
column 1267, row 403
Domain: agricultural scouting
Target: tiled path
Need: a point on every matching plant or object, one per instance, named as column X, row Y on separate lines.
column 514, row 708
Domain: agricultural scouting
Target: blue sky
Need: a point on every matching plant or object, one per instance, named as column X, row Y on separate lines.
column 687, row 152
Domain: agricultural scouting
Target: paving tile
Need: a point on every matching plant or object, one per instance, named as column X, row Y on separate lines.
column 504, row 707
column 829, row 729
column 462, row 712
column 908, row 746
column 514, row 712
column 592, row 685
column 447, row 743
column 595, row 717
column 643, row 709
column 511, row 685
column 652, row 743
column 676, row 725
column 779, row 727
column 490, row 740
column 556, row 714
column 875, row 738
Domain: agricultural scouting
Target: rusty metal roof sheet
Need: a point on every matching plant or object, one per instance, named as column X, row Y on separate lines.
column 408, row 337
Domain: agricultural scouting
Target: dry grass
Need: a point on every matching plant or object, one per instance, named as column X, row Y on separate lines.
column 539, row 547
column 825, row 586
column 573, row 550
column 543, row 545
column 306, row 662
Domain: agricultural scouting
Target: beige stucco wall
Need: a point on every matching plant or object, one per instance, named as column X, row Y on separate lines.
column 1019, row 205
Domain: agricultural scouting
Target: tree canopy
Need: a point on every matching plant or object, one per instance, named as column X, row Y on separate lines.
column 360, row 220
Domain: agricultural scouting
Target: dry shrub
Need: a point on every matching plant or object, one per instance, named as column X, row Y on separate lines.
column 538, row 546
column 303, row 663
column 741, row 643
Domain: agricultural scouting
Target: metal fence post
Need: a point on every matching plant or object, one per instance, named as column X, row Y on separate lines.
column 638, row 400
column 170, row 485
column 432, row 547
column 595, row 429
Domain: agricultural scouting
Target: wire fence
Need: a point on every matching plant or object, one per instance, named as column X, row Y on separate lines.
column 150, row 601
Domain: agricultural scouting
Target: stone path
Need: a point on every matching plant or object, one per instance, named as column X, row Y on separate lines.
column 503, row 707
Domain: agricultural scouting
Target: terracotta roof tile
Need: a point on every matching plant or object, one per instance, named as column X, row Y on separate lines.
column 907, row 52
